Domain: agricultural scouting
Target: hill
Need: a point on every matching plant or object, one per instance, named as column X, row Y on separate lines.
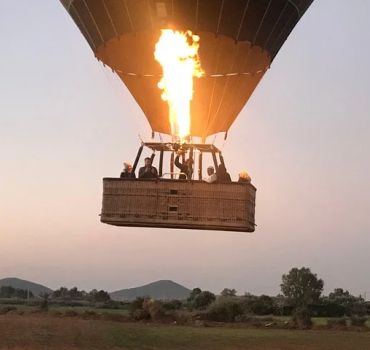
column 164, row 289
column 35, row 288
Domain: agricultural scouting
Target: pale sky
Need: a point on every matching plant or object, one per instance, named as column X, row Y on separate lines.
column 66, row 122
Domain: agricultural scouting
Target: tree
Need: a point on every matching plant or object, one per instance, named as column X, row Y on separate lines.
column 351, row 305
column 225, row 310
column 193, row 294
column 228, row 292
column 44, row 305
column 203, row 299
column 263, row 305
column 99, row 296
column 62, row 292
column 301, row 287
column 10, row 292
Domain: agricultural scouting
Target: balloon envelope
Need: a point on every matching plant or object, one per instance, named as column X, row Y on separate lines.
column 238, row 41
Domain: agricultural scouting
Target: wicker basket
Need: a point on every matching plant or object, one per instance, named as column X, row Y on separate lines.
column 179, row 204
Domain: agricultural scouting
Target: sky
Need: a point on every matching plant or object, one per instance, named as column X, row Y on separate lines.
column 304, row 136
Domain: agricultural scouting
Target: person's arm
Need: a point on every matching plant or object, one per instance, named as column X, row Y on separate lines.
column 212, row 178
column 141, row 172
column 155, row 171
column 177, row 162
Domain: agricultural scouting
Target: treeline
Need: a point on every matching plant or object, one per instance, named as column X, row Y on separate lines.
column 65, row 294
column 10, row 292
column 62, row 294
column 300, row 298
column 229, row 307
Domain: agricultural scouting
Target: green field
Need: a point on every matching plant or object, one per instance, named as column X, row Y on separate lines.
column 63, row 309
column 45, row 332
column 55, row 309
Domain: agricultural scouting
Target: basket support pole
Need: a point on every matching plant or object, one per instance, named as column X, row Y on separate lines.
column 161, row 163
column 137, row 159
column 200, row 165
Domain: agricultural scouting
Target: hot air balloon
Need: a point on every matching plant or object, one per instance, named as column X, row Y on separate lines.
column 238, row 41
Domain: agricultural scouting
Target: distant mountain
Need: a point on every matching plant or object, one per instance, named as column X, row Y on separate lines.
column 164, row 290
column 35, row 288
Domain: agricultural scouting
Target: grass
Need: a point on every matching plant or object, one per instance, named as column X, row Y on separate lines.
column 63, row 309
column 81, row 309
column 29, row 332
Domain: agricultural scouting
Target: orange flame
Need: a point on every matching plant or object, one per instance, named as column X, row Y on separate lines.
column 177, row 52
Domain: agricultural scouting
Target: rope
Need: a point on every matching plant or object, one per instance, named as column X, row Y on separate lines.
column 128, row 15
column 296, row 7
column 261, row 23
column 217, row 75
column 150, row 14
column 233, row 62
column 242, row 20
column 217, row 57
column 113, row 83
column 283, row 31
column 220, row 16
column 88, row 36
column 274, row 27
column 196, row 15
column 110, row 18
column 93, row 20
column 253, row 43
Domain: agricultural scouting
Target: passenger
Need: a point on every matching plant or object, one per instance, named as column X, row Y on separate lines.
column 148, row 171
column 212, row 177
column 127, row 171
column 186, row 168
column 222, row 174
column 244, row 177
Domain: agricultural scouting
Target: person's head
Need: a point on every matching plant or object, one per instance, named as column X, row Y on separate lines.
column 244, row 176
column 127, row 167
column 148, row 161
column 210, row 170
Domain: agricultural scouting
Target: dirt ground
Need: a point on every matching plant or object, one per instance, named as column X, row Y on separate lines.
column 29, row 332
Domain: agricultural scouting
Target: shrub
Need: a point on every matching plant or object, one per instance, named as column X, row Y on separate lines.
column 358, row 321
column 70, row 313
column 203, row 300
column 244, row 318
column 56, row 313
column 330, row 309
column 6, row 309
column 145, row 309
column 172, row 305
column 140, row 314
column 183, row 317
column 110, row 304
column 89, row 314
column 260, row 321
column 134, row 306
column 337, row 322
column 154, row 308
column 358, row 309
column 114, row 317
column 262, row 305
column 224, row 310
column 44, row 305
column 301, row 318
